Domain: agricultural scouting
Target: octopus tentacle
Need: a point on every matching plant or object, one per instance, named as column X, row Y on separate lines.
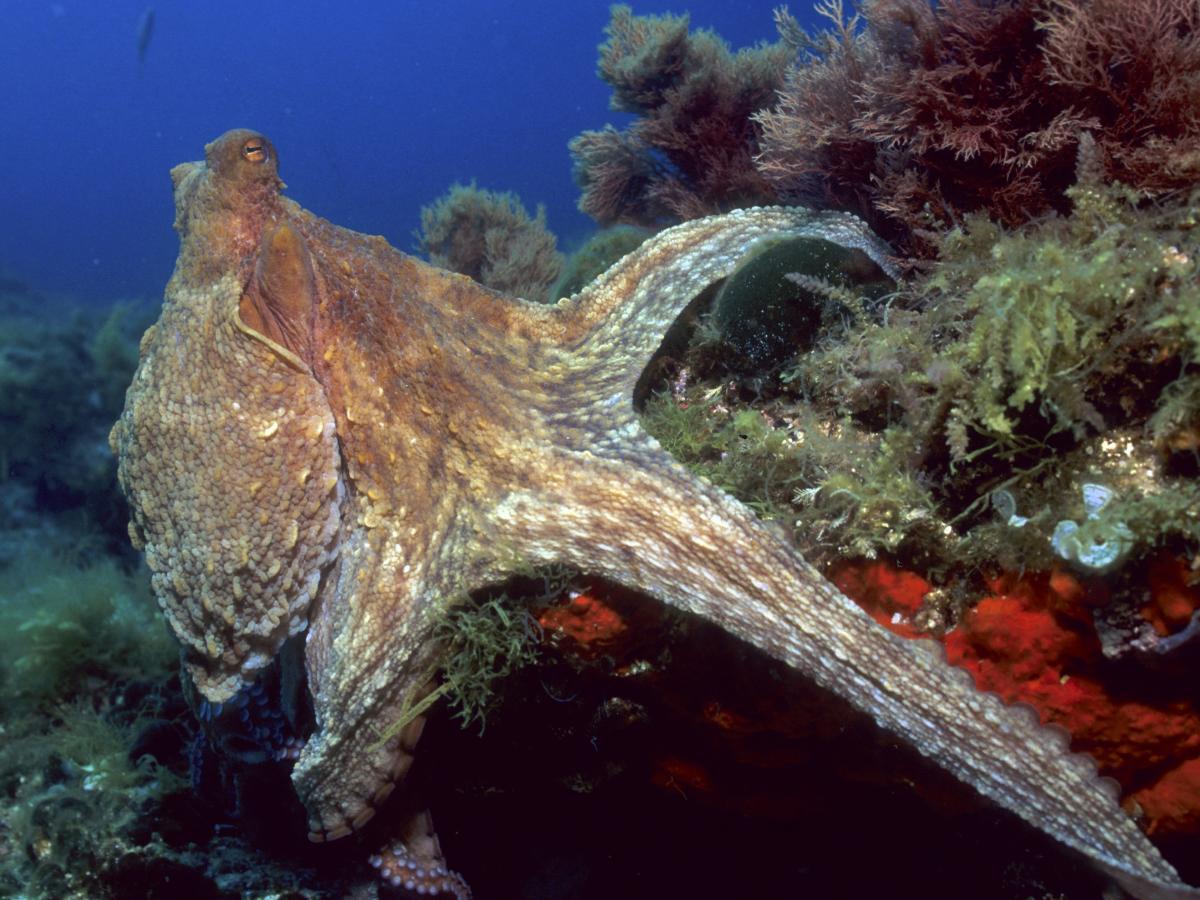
column 699, row 550
column 414, row 862
column 614, row 325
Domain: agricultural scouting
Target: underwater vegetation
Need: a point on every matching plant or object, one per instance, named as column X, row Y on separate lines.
column 1031, row 638
column 1024, row 402
column 65, row 628
column 690, row 151
column 1027, row 362
column 872, row 117
column 1001, row 450
column 90, row 729
column 868, row 115
column 62, row 380
column 487, row 638
column 774, row 305
column 595, row 255
column 490, row 237
column 85, row 659
column 1027, row 403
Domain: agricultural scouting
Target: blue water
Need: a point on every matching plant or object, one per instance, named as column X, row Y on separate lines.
column 375, row 109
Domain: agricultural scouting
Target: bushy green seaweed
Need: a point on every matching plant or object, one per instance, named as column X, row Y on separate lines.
column 739, row 452
column 1155, row 517
column 871, row 505
column 73, row 639
column 484, row 643
column 484, row 639
column 1026, row 362
column 845, row 491
column 489, row 236
column 83, row 650
column 70, row 797
column 63, row 626
column 1047, row 316
column 1175, row 424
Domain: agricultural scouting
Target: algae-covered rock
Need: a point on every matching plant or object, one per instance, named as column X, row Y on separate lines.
column 84, row 657
column 774, row 304
column 597, row 254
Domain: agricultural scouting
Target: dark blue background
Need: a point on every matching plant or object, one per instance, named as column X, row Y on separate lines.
column 375, row 109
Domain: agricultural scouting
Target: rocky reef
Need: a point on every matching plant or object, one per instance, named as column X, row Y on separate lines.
column 999, row 450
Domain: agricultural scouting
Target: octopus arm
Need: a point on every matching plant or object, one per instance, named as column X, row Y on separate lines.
column 646, row 522
column 370, row 658
column 617, row 322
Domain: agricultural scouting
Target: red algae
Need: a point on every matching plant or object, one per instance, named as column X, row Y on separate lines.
column 586, row 619
column 892, row 596
column 1172, row 804
column 1031, row 640
column 1022, row 650
column 1024, row 632
column 1174, row 593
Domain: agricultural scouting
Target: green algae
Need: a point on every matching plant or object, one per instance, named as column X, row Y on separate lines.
column 776, row 302
column 1047, row 315
column 492, row 635
column 1028, row 361
column 489, row 236
column 64, row 626
column 739, row 452
column 84, row 656
column 484, row 639
column 847, row 492
column 484, row 643
column 71, row 799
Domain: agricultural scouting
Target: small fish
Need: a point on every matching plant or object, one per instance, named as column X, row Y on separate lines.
column 145, row 32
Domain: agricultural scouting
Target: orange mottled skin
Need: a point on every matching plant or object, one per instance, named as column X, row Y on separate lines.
column 330, row 438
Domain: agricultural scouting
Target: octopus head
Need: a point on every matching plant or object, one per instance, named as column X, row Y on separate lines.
column 227, row 446
column 225, row 203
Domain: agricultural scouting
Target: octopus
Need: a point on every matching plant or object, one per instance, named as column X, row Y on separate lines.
column 327, row 443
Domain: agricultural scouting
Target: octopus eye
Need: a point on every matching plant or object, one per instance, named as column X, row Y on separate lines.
column 255, row 150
